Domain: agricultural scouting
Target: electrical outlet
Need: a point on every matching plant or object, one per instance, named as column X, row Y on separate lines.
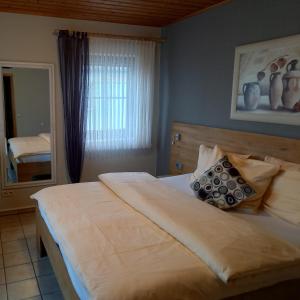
column 179, row 165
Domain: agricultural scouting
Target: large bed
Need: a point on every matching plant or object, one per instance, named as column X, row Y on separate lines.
column 30, row 157
column 105, row 241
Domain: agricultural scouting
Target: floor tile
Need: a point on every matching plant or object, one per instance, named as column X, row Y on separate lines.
column 48, row 284
column 34, row 255
column 10, row 225
column 32, row 245
column 2, row 277
column 29, row 230
column 8, row 219
column 28, row 218
column 42, row 267
column 18, row 235
column 12, row 234
column 23, row 289
column 20, row 272
column 16, row 258
column 14, row 246
column 54, row 296
column 3, row 293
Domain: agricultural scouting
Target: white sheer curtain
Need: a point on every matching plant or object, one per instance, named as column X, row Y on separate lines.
column 121, row 88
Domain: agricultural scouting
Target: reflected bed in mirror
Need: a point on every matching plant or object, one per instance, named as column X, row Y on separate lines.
column 28, row 122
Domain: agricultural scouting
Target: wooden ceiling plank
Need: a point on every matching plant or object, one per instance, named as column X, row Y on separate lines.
column 96, row 14
column 83, row 10
column 176, row 10
column 138, row 12
column 90, row 16
column 117, row 8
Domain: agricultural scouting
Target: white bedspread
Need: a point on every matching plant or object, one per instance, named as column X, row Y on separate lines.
column 30, row 145
column 116, row 253
column 224, row 242
column 273, row 225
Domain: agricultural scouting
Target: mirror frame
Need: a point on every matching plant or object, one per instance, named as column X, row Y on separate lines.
column 52, row 181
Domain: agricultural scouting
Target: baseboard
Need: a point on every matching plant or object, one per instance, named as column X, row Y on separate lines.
column 22, row 210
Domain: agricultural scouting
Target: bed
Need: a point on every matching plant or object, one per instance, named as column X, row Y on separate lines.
column 30, row 157
column 132, row 255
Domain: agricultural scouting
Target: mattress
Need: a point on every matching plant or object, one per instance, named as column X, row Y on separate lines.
column 265, row 221
column 29, row 145
column 34, row 158
column 284, row 230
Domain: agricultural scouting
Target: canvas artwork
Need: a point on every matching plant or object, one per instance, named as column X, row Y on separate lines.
column 266, row 83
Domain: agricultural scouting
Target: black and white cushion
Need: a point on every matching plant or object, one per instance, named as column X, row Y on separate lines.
column 222, row 185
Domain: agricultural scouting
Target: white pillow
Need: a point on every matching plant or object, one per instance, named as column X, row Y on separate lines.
column 283, row 197
column 208, row 157
column 46, row 136
column 259, row 175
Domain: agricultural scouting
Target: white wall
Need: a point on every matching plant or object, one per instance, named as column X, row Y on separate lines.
column 30, row 39
column 31, row 91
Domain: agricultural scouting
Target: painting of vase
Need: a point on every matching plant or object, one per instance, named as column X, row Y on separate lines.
column 266, row 82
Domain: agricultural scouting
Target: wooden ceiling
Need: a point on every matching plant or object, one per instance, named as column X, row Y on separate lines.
column 138, row 12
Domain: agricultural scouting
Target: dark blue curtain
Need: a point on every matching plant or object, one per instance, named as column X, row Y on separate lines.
column 74, row 70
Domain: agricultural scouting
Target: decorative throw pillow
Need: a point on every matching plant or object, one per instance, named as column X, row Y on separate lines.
column 222, row 185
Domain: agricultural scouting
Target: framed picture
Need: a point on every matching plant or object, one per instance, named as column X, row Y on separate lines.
column 266, row 82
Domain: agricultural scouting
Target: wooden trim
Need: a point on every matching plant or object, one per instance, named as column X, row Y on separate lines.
column 17, row 211
column 25, row 171
column 119, row 36
column 185, row 150
column 47, row 246
column 203, row 10
column 144, row 12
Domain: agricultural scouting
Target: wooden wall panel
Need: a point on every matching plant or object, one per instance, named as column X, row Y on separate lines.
column 185, row 151
column 139, row 12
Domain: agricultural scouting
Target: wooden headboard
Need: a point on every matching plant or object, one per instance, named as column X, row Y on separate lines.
column 187, row 138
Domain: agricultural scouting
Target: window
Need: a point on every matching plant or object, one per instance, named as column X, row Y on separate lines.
column 109, row 94
column 120, row 94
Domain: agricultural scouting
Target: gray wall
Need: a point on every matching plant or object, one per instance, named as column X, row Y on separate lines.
column 197, row 65
column 32, row 102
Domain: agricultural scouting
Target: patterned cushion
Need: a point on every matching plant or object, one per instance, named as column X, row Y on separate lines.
column 222, row 185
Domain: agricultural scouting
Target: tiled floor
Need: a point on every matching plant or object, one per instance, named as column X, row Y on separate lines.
column 23, row 275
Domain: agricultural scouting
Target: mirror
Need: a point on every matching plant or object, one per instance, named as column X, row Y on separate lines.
column 27, row 134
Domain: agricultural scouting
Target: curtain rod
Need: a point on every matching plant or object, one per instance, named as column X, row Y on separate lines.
column 119, row 36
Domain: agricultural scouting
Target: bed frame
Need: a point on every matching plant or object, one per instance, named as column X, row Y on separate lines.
column 187, row 138
column 47, row 247
column 184, row 154
column 26, row 171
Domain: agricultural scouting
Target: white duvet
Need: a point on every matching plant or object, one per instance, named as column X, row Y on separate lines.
column 30, row 145
column 135, row 238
